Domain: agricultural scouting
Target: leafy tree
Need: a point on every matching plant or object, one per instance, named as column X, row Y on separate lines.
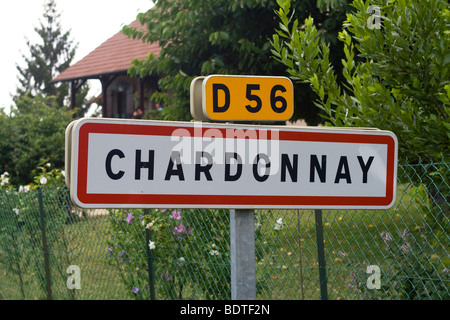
column 396, row 73
column 32, row 135
column 47, row 59
column 220, row 37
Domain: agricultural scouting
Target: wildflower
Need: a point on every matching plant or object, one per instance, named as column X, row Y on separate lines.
column 149, row 225
column 176, row 214
column 405, row 248
column 129, row 217
column 214, row 252
column 151, row 245
column 386, row 237
column 48, row 164
column 165, row 276
column 26, row 188
column 121, row 254
column 141, row 217
column 279, row 224
column 4, row 180
column 342, row 254
column 43, row 180
column 16, row 211
column 403, row 234
column 180, row 228
column 181, row 260
column 63, row 173
column 135, row 290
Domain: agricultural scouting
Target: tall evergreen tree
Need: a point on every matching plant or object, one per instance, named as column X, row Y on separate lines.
column 52, row 55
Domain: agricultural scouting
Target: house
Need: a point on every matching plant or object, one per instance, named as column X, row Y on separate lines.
column 122, row 96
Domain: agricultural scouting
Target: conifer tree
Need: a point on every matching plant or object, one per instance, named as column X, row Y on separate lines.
column 46, row 59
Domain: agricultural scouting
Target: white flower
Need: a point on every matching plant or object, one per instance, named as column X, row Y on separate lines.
column 278, row 224
column 48, row 164
column 151, row 245
column 149, row 225
column 27, row 188
column 21, row 189
column 43, row 180
column 63, row 173
column 16, row 211
column 4, row 179
column 214, row 252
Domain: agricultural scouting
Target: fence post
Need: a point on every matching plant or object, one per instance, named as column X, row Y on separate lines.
column 321, row 256
column 242, row 249
column 151, row 271
column 45, row 246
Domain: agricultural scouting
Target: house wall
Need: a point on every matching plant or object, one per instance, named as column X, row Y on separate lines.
column 125, row 95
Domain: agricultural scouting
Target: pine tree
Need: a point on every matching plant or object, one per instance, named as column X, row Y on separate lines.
column 47, row 59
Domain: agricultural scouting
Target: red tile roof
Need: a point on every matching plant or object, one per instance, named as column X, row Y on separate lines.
column 112, row 56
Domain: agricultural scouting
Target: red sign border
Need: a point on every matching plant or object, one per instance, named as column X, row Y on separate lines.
column 83, row 199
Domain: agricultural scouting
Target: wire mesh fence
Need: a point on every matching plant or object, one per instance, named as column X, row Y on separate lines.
column 51, row 250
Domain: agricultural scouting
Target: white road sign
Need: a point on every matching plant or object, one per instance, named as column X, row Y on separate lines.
column 155, row 164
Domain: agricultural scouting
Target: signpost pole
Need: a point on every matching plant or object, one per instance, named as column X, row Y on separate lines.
column 242, row 248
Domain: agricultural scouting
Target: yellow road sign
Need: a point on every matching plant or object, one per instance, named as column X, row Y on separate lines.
column 247, row 98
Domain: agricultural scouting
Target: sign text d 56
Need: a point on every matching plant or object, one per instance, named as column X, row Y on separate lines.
column 248, row 98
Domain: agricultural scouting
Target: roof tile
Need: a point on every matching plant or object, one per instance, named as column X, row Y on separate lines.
column 112, row 56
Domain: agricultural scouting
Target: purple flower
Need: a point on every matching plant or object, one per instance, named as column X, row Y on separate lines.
column 129, row 218
column 141, row 217
column 135, row 290
column 109, row 249
column 180, row 228
column 386, row 237
column 176, row 214
column 405, row 248
column 165, row 276
column 404, row 234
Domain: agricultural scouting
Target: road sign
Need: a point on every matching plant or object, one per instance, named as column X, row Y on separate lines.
column 155, row 164
column 242, row 98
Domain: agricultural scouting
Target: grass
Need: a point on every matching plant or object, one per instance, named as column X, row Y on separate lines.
column 287, row 268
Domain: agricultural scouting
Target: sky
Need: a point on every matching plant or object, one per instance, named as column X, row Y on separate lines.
column 91, row 22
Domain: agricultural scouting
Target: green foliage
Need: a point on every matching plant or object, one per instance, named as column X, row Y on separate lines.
column 219, row 37
column 32, row 135
column 396, row 76
column 190, row 255
column 21, row 233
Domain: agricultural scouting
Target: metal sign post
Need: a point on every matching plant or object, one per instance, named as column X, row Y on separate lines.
column 242, row 249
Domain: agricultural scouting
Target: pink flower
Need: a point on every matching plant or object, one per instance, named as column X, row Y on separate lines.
column 176, row 214
column 386, row 237
column 180, row 228
column 129, row 218
column 405, row 248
